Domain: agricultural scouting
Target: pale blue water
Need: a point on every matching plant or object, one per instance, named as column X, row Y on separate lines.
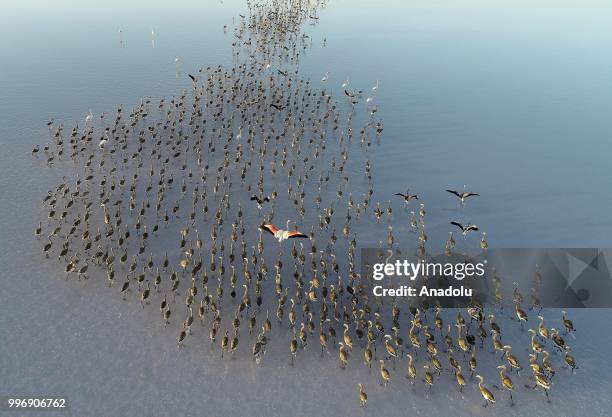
column 513, row 99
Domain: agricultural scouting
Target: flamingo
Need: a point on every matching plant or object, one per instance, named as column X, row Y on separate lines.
column 281, row 234
column 462, row 194
column 465, row 229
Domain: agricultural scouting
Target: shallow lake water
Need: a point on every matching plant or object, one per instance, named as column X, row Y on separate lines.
column 511, row 99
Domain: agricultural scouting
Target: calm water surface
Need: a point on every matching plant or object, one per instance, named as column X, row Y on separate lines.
column 513, row 99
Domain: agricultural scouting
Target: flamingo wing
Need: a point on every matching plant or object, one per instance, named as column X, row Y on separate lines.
column 459, row 225
column 296, row 234
column 270, row 228
column 454, row 192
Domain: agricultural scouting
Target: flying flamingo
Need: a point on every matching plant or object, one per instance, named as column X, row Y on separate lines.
column 281, row 234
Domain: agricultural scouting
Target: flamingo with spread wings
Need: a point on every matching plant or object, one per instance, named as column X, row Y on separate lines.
column 463, row 195
column 281, row 234
column 465, row 229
